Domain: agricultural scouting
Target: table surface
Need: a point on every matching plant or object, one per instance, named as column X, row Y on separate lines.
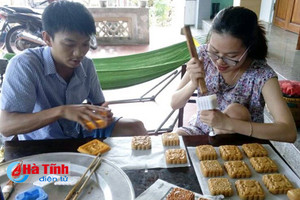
column 141, row 180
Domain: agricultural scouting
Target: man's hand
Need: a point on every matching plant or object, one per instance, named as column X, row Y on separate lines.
column 84, row 113
column 109, row 113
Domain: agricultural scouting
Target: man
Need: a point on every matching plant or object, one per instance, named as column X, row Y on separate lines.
column 44, row 87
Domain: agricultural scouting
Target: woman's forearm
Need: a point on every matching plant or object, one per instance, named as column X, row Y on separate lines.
column 181, row 96
column 277, row 131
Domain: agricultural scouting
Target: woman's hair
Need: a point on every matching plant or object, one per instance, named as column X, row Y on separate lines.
column 68, row 16
column 242, row 23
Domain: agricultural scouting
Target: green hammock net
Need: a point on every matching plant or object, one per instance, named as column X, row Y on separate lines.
column 124, row 71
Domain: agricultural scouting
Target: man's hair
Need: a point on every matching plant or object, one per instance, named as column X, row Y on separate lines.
column 68, row 16
column 242, row 23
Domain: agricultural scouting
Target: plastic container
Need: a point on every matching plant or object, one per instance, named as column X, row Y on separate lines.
column 294, row 105
column 34, row 193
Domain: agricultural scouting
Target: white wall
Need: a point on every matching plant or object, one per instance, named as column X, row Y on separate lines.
column 266, row 10
column 189, row 12
column 202, row 12
column 195, row 11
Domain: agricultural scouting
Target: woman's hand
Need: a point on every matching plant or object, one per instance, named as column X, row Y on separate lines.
column 215, row 119
column 195, row 70
column 188, row 83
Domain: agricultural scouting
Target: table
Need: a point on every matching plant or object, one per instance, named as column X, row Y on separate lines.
column 183, row 177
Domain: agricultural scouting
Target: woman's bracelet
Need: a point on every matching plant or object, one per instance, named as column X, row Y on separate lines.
column 251, row 129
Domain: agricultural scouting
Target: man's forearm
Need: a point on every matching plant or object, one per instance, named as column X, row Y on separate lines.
column 16, row 123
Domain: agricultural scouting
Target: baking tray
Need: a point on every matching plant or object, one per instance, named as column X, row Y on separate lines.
column 283, row 168
column 108, row 183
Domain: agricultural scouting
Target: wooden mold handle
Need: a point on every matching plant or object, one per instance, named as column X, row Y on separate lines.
column 193, row 54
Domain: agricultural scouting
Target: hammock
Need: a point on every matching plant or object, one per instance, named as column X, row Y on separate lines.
column 124, row 71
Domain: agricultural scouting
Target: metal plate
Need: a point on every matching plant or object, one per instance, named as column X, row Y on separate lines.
column 108, row 183
column 283, row 168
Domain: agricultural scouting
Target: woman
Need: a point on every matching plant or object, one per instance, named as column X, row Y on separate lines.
column 234, row 66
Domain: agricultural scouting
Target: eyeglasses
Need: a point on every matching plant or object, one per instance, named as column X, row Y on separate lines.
column 228, row 61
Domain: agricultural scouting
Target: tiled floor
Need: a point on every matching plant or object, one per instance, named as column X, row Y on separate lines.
column 283, row 56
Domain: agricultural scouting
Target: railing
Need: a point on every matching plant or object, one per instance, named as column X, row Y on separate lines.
column 119, row 26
